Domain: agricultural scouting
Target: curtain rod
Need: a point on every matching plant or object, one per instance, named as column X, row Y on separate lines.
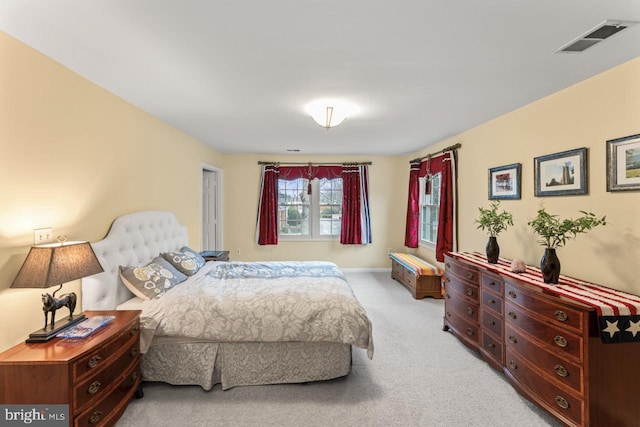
column 451, row 148
column 261, row 162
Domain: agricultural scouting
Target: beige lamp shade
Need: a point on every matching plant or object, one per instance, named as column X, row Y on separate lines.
column 55, row 264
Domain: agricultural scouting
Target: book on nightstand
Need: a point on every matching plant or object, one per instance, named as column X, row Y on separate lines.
column 86, row 327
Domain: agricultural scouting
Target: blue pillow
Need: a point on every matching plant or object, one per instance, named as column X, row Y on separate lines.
column 152, row 280
column 186, row 261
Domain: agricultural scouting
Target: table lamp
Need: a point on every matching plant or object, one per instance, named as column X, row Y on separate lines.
column 51, row 265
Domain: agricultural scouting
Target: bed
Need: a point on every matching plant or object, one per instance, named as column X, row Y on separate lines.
column 186, row 341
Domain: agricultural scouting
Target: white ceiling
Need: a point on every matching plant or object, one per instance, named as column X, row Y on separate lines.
column 236, row 74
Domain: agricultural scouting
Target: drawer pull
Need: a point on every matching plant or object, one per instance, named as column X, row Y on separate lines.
column 513, row 365
column 448, row 314
column 561, row 371
column 470, row 332
column 94, row 387
column 512, row 294
column 447, row 295
column 133, row 352
column 469, row 275
column 469, row 291
column 492, row 323
column 95, row 417
column 561, row 315
column 448, row 265
column 470, row 311
column 513, row 315
column 448, row 280
column 513, row 340
column 560, row 341
column 492, row 283
column 93, row 362
column 491, row 345
column 134, row 330
column 562, row 402
column 492, row 301
column 134, row 377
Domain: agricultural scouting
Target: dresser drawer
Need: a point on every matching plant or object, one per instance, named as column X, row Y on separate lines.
column 462, row 271
column 98, row 358
column 558, row 339
column 493, row 347
column 492, row 302
column 465, row 328
column 460, row 306
column 555, row 312
column 554, row 367
column 557, row 399
column 464, row 288
column 492, row 283
column 96, row 385
column 492, row 324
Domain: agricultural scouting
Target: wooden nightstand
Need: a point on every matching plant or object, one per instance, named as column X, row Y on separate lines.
column 96, row 376
column 223, row 257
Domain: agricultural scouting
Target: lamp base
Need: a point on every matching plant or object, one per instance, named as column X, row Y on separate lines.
column 48, row 333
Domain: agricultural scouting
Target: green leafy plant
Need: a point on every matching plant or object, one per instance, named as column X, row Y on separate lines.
column 555, row 232
column 493, row 221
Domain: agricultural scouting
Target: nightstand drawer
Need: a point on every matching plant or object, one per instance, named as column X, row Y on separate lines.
column 98, row 358
column 94, row 387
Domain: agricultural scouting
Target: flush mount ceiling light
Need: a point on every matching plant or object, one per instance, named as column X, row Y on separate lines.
column 329, row 112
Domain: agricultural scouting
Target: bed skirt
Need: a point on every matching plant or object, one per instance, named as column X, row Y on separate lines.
column 239, row 364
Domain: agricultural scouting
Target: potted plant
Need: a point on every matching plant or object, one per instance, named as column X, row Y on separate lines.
column 493, row 222
column 555, row 232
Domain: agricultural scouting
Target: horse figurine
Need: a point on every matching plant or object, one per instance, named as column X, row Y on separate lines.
column 51, row 304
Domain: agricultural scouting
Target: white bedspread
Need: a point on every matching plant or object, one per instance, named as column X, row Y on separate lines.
column 262, row 302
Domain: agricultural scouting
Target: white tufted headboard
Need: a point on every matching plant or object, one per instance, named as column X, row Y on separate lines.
column 133, row 239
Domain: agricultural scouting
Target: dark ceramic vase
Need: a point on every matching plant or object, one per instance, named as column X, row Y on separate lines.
column 550, row 266
column 493, row 250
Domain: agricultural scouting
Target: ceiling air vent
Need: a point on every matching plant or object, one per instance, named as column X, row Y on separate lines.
column 595, row 36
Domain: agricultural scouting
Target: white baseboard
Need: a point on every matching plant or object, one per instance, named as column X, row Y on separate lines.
column 366, row 270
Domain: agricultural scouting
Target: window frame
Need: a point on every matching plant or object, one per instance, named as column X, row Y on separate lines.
column 422, row 241
column 314, row 218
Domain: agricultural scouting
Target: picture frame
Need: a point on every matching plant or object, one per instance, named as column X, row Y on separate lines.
column 505, row 182
column 623, row 164
column 561, row 174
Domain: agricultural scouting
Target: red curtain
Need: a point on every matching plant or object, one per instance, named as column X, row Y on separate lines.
column 413, row 208
column 445, row 165
column 356, row 227
column 267, row 228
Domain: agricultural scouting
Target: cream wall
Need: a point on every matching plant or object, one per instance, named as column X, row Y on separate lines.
column 587, row 114
column 388, row 197
column 74, row 157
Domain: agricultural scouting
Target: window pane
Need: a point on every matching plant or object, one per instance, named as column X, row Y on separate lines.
column 429, row 210
column 293, row 208
column 330, row 197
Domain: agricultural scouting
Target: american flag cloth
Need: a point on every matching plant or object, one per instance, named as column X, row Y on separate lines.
column 618, row 311
column 417, row 265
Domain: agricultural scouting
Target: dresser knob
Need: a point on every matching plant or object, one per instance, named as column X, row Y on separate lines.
column 94, row 387
column 513, row 315
column 561, row 315
column 561, row 371
column 562, row 402
column 134, row 377
column 492, row 283
column 469, row 275
column 469, row 291
column 492, row 301
column 492, row 323
column 134, row 330
column 491, row 345
column 513, row 365
column 448, row 314
column 470, row 311
column 95, row 417
column 133, row 352
column 512, row 294
column 93, row 362
column 447, row 295
column 447, row 280
column 513, row 340
column 447, row 265
column 470, row 332
column 560, row 341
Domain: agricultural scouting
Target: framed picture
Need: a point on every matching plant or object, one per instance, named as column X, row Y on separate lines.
column 623, row 164
column 504, row 182
column 561, row 174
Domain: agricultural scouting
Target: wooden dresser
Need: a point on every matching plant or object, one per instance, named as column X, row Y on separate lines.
column 547, row 345
column 96, row 376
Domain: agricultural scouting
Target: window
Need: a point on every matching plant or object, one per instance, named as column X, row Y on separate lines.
column 429, row 208
column 314, row 216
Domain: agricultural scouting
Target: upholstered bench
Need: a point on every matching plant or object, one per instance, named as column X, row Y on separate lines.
column 421, row 278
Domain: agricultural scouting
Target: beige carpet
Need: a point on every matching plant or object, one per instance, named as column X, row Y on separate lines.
column 419, row 376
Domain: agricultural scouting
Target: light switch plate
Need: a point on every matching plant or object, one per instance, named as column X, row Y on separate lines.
column 42, row 236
